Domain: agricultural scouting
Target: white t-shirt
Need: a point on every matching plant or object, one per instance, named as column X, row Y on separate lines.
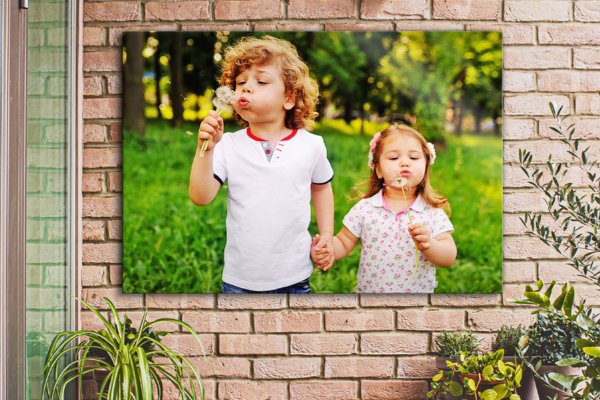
column 268, row 206
column 387, row 259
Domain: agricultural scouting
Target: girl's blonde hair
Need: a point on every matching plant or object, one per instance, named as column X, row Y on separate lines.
column 423, row 188
column 268, row 50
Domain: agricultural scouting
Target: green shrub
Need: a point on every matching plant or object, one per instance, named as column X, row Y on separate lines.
column 451, row 344
column 508, row 339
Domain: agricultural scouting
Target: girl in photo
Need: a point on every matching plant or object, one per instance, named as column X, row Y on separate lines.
column 401, row 161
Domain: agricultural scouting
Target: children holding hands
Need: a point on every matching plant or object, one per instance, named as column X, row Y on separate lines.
column 273, row 166
column 399, row 209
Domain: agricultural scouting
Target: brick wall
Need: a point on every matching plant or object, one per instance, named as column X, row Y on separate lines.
column 344, row 346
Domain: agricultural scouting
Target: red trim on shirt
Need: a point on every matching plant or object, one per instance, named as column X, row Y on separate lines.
column 251, row 136
column 385, row 205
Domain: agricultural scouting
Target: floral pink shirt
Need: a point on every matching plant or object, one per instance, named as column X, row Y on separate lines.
column 387, row 259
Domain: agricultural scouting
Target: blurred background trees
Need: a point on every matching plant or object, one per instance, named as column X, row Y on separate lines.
column 439, row 82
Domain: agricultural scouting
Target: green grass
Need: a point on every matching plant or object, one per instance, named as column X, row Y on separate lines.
column 172, row 246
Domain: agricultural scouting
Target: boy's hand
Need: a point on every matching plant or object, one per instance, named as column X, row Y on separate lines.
column 210, row 128
column 321, row 255
column 420, row 233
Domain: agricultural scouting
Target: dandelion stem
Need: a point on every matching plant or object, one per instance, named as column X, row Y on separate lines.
column 410, row 220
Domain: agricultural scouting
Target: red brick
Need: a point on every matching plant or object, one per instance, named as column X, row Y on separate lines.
column 587, row 11
column 517, row 272
column 534, row 104
column 93, row 36
column 115, row 84
column 116, row 132
column 536, row 58
column 518, row 128
column 287, row 322
column 568, row 81
column 586, row 291
column 323, row 300
column 537, row 11
column 522, row 201
column 252, row 344
column 287, row 368
column 587, row 104
column 464, row 300
column 116, row 275
column 102, row 253
column 251, row 301
column 391, row 344
column 92, row 86
column 227, row 10
column 177, row 11
column 397, row 390
column 513, row 292
column 514, row 226
column 514, row 177
column 414, row 368
column 539, row 149
column 115, row 181
column 171, row 392
column 466, row 9
column 102, row 206
column 588, row 128
column 359, row 367
column 111, row 11
column 572, row 34
column 527, row 249
column 102, row 108
column 359, row 321
column 416, row 320
column 320, row 390
column 93, row 133
column 511, row 34
column 100, row 61
column 136, row 319
column 218, row 322
column 319, row 9
column 92, row 183
column 428, row 26
column 115, row 34
column 494, row 319
column 188, row 346
column 252, row 390
column 393, row 300
column 323, row 344
column 93, row 229
column 518, row 81
column 90, row 321
column 103, row 158
column 359, row 26
column 287, row 27
column 222, row 367
column 92, row 275
column 180, row 301
column 115, row 229
column 393, row 9
column 218, row 27
column 95, row 297
column 559, row 271
column 586, row 58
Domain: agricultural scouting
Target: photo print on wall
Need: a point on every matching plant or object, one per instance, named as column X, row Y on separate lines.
column 341, row 162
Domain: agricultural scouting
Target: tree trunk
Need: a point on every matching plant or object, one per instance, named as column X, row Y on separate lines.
column 157, row 80
column 478, row 113
column 496, row 115
column 461, row 111
column 348, row 108
column 176, row 64
column 134, row 118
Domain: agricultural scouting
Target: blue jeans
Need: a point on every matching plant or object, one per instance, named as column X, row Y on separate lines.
column 300, row 287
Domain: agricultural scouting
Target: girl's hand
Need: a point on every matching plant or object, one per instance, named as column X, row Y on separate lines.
column 211, row 129
column 420, row 233
column 321, row 255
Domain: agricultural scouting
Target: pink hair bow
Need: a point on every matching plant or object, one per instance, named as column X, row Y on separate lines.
column 373, row 142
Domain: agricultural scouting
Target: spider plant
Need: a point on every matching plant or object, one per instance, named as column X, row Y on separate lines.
column 133, row 359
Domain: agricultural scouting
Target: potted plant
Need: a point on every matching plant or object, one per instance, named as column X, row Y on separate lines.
column 132, row 360
column 507, row 339
column 448, row 347
column 483, row 376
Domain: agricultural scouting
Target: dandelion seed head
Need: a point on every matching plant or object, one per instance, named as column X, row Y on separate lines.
column 223, row 98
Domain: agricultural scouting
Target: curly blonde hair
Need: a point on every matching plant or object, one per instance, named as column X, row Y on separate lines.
column 424, row 188
column 268, row 50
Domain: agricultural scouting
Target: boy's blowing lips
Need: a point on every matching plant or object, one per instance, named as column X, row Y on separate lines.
column 243, row 102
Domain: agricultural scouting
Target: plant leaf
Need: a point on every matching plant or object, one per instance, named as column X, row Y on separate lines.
column 561, row 379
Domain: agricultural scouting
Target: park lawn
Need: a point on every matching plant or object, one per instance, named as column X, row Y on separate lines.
column 172, row 246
